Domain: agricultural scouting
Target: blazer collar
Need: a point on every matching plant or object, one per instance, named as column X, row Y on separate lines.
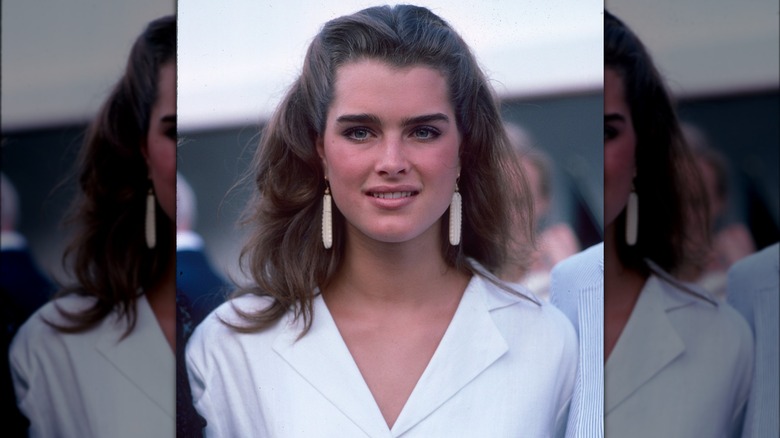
column 144, row 357
column 688, row 288
column 470, row 345
column 648, row 344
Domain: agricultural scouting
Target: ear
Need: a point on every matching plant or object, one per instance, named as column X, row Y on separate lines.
column 145, row 154
column 145, row 151
column 321, row 152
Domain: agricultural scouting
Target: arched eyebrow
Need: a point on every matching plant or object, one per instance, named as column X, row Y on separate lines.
column 358, row 118
column 427, row 118
column 372, row 119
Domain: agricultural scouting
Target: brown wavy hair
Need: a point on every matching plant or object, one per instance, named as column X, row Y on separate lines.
column 284, row 255
column 108, row 254
column 673, row 222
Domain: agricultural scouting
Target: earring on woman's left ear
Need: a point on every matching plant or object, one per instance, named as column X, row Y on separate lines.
column 150, row 225
column 632, row 217
column 455, row 217
column 327, row 218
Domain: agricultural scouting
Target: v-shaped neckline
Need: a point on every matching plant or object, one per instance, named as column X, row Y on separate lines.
column 470, row 344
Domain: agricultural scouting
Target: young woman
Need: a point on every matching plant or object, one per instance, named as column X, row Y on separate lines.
column 385, row 187
column 98, row 360
column 678, row 362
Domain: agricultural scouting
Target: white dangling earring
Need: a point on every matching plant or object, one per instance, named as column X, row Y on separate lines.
column 455, row 217
column 151, row 225
column 327, row 220
column 632, row 218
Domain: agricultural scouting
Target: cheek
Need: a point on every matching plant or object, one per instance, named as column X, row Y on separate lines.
column 162, row 171
column 162, row 157
column 344, row 174
column 619, row 170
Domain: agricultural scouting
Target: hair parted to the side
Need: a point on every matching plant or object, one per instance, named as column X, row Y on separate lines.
column 284, row 255
column 108, row 254
column 672, row 232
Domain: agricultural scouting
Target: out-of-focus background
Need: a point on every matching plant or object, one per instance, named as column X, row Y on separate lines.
column 722, row 64
column 236, row 60
column 59, row 62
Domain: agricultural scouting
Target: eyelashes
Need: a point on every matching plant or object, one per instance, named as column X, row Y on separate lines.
column 420, row 133
column 610, row 132
column 357, row 134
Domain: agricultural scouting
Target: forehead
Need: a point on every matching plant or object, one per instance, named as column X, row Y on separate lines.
column 166, row 89
column 375, row 86
column 614, row 90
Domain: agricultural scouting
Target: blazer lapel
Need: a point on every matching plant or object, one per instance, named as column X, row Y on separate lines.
column 649, row 342
column 470, row 345
column 143, row 357
column 323, row 359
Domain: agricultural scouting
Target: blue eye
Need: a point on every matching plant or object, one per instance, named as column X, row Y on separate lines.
column 426, row 133
column 609, row 132
column 358, row 134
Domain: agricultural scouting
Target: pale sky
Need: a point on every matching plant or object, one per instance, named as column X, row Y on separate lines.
column 61, row 58
column 236, row 59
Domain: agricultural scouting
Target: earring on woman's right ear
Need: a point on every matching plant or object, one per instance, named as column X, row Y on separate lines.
column 150, row 225
column 632, row 217
column 327, row 219
column 455, row 217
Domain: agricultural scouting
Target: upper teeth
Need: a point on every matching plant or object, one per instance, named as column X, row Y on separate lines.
column 392, row 195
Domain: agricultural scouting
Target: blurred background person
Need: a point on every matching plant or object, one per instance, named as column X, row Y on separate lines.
column 195, row 276
column 98, row 360
column 24, row 286
column 754, row 290
column 23, row 289
column 554, row 241
column 730, row 239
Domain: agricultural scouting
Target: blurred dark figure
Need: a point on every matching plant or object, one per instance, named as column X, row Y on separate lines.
column 23, row 289
column 730, row 240
column 195, row 276
column 554, row 241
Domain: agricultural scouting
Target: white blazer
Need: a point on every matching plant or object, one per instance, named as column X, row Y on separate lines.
column 504, row 368
column 754, row 290
column 577, row 288
column 681, row 367
column 93, row 384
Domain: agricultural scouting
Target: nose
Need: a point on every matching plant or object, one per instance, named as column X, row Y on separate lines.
column 392, row 159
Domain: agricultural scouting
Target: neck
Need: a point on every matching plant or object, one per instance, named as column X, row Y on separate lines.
column 162, row 299
column 619, row 281
column 622, row 287
column 396, row 274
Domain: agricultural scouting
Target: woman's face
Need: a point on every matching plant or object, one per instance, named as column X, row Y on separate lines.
column 390, row 150
column 619, row 146
column 160, row 148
